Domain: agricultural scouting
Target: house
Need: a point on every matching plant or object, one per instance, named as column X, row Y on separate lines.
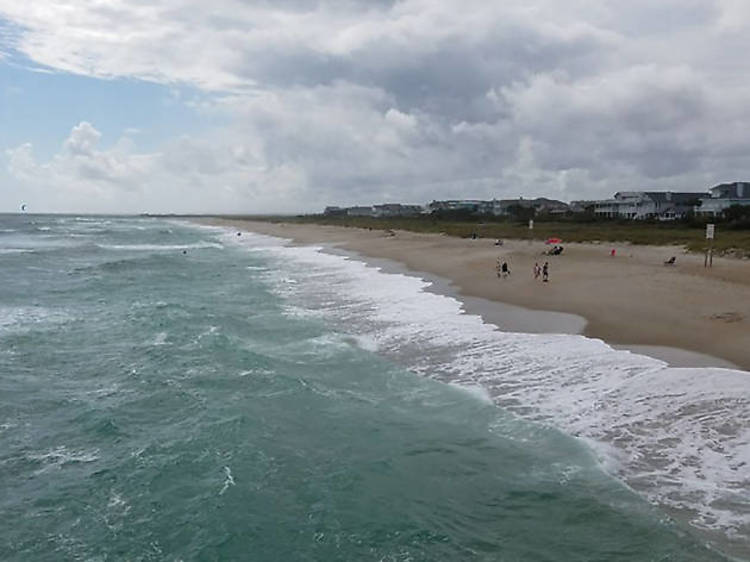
column 498, row 207
column 639, row 205
column 722, row 197
column 504, row 207
column 581, row 206
column 396, row 210
column 474, row 206
column 332, row 211
column 541, row 205
column 546, row 206
column 360, row 212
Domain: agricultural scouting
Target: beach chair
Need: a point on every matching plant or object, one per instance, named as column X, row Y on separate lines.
column 670, row 261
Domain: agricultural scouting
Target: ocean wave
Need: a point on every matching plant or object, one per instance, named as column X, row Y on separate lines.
column 59, row 457
column 678, row 436
column 10, row 251
column 25, row 317
column 160, row 247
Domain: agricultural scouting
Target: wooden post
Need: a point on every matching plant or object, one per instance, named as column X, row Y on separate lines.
column 708, row 260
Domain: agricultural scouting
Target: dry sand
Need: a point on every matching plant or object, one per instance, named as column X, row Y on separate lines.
column 632, row 299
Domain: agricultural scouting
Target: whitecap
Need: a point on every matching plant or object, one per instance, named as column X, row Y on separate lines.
column 228, row 480
column 160, row 247
column 10, row 251
column 160, row 339
column 24, row 317
column 678, row 436
column 59, row 457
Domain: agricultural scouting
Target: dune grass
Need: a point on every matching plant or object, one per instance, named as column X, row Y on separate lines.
column 727, row 241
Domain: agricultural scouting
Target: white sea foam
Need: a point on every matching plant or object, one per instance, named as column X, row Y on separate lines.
column 679, row 436
column 160, row 247
column 228, row 480
column 117, row 508
column 24, row 317
column 8, row 251
column 5, row 426
column 160, row 339
column 27, row 243
column 60, row 456
column 104, row 392
column 366, row 342
column 476, row 391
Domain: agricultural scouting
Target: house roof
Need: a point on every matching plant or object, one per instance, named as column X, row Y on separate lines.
column 730, row 190
column 678, row 197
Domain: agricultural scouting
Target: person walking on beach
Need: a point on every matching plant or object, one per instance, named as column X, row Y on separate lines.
column 505, row 269
column 545, row 272
column 537, row 270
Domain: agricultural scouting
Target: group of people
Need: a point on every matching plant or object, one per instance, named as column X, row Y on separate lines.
column 542, row 271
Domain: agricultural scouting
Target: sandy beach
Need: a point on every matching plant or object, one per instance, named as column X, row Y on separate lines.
column 631, row 300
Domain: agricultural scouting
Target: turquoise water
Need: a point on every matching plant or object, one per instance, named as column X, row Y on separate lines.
column 170, row 392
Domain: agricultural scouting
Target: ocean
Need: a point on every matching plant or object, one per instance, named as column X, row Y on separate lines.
column 172, row 391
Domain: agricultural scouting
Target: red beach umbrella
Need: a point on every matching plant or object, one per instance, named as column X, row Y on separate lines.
column 553, row 240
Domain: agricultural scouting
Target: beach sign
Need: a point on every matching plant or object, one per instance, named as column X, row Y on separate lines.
column 710, row 228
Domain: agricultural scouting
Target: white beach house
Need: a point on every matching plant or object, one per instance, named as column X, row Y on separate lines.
column 724, row 196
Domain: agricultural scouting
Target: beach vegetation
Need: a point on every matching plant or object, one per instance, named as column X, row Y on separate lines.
column 732, row 231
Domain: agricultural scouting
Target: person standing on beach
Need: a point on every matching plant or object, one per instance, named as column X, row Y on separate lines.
column 545, row 272
column 505, row 269
column 537, row 270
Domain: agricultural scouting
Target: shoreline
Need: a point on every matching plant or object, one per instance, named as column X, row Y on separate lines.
column 631, row 301
column 511, row 318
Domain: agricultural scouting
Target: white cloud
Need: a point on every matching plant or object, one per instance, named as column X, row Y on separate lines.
column 188, row 175
column 357, row 102
column 82, row 140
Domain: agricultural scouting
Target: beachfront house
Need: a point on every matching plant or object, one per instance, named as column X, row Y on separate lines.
column 333, row 211
column 722, row 197
column 581, row 206
column 506, row 207
column 541, row 206
column 640, row 205
column 499, row 207
column 473, row 206
column 545, row 206
column 397, row 210
column 360, row 211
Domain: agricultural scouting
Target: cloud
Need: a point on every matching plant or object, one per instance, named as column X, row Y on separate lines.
column 321, row 102
column 82, row 140
column 187, row 175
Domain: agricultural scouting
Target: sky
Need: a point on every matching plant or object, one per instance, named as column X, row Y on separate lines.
column 286, row 106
